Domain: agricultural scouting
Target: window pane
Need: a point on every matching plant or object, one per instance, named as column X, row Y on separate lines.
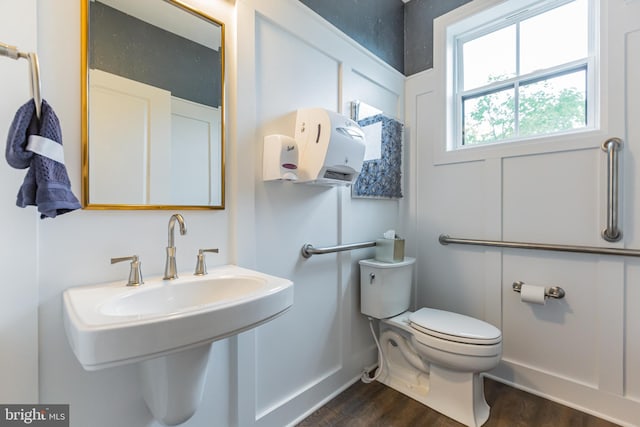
column 554, row 37
column 553, row 105
column 489, row 117
column 489, row 58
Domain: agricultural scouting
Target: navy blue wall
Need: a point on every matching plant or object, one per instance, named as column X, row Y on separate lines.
column 378, row 25
column 419, row 16
column 400, row 34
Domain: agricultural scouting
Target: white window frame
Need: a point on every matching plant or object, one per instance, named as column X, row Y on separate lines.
column 468, row 20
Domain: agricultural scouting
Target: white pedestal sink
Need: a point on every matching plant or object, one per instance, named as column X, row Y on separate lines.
column 169, row 326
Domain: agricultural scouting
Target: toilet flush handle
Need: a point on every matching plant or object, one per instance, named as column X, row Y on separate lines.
column 372, row 277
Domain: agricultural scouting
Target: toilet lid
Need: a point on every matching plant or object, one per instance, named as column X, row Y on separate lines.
column 454, row 327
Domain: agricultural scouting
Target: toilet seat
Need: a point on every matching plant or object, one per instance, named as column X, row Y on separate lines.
column 453, row 327
column 455, row 333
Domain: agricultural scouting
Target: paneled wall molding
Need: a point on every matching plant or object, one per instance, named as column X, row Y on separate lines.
column 632, row 207
column 305, row 24
column 493, row 227
column 278, row 412
column 610, row 296
column 580, row 351
column 244, row 396
column 289, row 58
column 570, row 393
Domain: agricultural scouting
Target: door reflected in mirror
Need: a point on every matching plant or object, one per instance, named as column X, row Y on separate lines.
column 153, row 98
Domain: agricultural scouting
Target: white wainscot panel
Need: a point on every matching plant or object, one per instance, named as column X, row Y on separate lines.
column 359, row 86
column 559, row 337
column 370, row 219
column 632, row 331
column 632, row 227
column 290, row 75
column 302, row 347
column 451, row 201
column 631, row 153
column 453, row 280
column 552, row 198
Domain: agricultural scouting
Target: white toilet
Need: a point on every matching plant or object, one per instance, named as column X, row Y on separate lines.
column 432, row 356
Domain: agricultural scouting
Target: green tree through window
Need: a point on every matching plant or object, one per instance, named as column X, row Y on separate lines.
column 543, row 108
column 521, row 72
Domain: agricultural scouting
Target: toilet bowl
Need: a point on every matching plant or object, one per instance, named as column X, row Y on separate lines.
column 433, row 356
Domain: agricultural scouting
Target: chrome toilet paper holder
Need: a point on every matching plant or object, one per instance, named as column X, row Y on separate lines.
column 552, row 292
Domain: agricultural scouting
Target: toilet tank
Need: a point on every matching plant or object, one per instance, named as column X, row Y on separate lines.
column 385, row 287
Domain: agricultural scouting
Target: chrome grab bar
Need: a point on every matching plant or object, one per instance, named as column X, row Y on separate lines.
column 445, row 240
column 308, row 250
column 611, row 147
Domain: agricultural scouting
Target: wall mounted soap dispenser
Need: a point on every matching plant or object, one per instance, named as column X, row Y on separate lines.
column 280, row 158
column 328, row 149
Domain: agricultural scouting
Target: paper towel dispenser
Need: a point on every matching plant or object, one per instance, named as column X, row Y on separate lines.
column 331, row 147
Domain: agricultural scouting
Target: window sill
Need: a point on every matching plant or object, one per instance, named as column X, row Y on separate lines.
column 570, row 141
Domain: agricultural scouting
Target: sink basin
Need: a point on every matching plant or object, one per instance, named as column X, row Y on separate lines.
column 165, row 300
column 112, row 324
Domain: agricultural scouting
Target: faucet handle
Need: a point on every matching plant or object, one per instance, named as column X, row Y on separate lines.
column 135, row 275
column 201, row 266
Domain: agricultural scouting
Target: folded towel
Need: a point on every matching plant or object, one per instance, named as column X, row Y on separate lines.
column 38, row 146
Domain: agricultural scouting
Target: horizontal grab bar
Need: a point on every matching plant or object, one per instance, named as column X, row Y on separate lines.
column 308, row 250
column 445, row 240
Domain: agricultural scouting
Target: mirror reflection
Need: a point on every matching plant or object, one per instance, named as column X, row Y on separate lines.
column 153, row 130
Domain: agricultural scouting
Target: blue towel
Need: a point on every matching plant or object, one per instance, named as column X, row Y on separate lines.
column 38, row 146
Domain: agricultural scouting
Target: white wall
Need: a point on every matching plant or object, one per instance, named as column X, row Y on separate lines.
column 19, row 250
column 288, row 59
column 75, row 250
column 268, row 377
column 582, row 350
column 280, row 372
column 42, row 258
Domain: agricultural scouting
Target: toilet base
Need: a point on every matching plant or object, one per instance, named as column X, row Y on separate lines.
column 458, row 395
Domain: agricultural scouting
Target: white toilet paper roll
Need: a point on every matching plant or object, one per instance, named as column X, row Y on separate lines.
column 532, row 294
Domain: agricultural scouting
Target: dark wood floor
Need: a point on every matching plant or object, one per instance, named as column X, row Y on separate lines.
column 376, row 405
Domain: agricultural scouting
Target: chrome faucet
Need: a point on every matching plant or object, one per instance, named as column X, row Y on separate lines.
column 170, row 270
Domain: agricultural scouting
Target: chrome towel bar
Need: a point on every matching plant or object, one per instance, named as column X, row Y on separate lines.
column 34, row 68
column 308, row 250
column 10, row 51
column 445, row 240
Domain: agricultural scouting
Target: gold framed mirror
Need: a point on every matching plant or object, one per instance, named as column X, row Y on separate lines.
column 153, row 134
